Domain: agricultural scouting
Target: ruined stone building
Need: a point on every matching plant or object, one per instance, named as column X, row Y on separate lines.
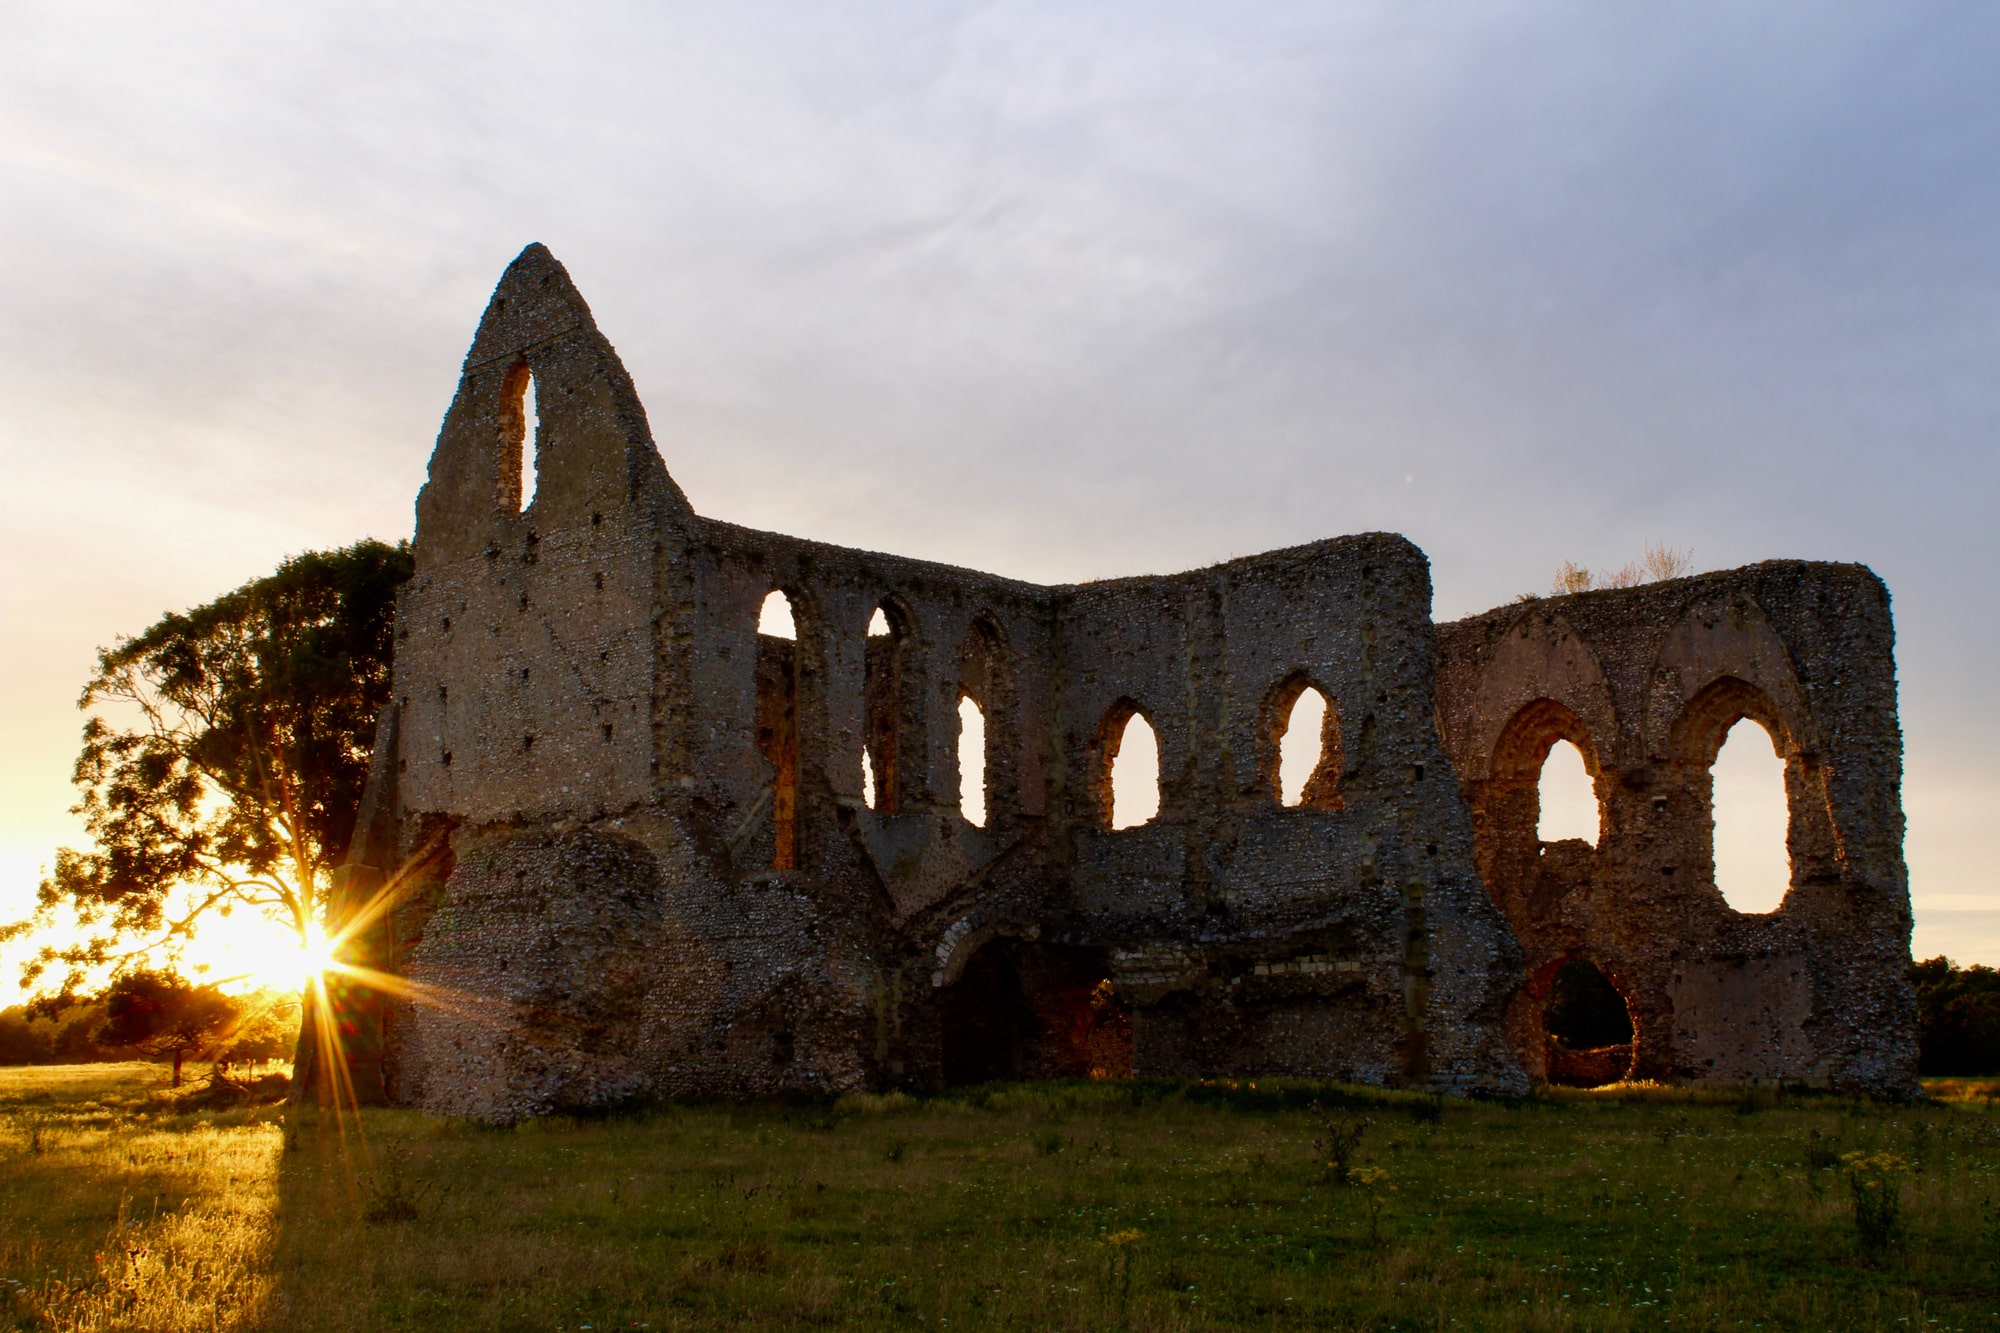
column 642, row 849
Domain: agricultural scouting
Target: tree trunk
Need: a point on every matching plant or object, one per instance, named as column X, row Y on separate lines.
column 178, row 1053
column 305, row 1054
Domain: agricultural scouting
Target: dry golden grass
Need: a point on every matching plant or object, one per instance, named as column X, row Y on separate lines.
column 1031, row 1207
column 122, row 1214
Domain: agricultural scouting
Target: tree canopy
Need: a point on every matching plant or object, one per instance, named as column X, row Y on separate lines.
column 161, row 1013
column 1958, row 1011
column 226, row 751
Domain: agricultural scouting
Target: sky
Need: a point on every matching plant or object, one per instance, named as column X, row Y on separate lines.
column 1058, row 291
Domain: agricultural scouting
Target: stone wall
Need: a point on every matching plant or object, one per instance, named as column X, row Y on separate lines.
column 1646, row 682
column 635, row 848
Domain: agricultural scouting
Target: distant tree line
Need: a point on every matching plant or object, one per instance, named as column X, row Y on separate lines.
column 1958, row 1013
column 151, row 1015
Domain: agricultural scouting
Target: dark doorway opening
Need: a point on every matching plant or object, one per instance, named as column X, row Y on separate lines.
column 1588, row 1026
column 1027, row 1011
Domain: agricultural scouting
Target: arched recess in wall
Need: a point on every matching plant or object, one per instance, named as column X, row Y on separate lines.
column 520, row 439
column 1733, row 732
column 892, row 707
column 1587, row 1026
column 1020, row 1009
column 1522, row 757
column 1125, row 780
column 778, row 722
column 985, row 695
column 1302, row 759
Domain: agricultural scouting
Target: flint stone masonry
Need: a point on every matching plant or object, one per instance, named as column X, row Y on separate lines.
column 1646, row 682
column 631, row 855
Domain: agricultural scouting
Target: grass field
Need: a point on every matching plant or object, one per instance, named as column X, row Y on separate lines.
column 1095, row 1206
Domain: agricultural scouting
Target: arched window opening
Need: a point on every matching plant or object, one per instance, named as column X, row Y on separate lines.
column 1132, row 764
column 1588, row 1027
column 1308, row 749
column 775, row 618
column 985, row 741
column 971, row 761
column 1753, row 868
column 1568, row 797
column 520, row 439
column 778, row 722
column 892, row 706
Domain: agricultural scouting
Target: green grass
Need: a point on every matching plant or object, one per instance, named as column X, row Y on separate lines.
column 1017, row 1207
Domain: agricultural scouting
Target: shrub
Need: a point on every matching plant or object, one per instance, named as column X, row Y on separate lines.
column 1876, row 1182
column 1337, row 1144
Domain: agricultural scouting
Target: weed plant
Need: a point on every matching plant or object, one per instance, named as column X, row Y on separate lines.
column 1165, row 1207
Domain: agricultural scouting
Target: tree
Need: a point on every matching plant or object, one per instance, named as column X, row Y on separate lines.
column 159, row 1013
column 1958, row 1017
column 226, row 751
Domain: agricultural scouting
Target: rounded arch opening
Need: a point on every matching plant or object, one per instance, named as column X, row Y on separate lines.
column 1587, row 1026
column 1128, row 768
column 1303, row 731
column 1752, row 812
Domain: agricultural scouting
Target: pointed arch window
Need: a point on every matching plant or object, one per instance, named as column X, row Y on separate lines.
column 983, row 692
column 1567, row 796
column 1548, row 765
column 1127, row 783
column 1750, row 768
column 892, row 708
column 1303, row 726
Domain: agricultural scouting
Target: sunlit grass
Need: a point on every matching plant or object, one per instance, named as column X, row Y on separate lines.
column 1009, row 1208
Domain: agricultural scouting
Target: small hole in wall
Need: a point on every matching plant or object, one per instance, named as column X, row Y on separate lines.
column 971, row 762
column 599, row 577
column 878, row 623
column 775, row 619
column 444, row 694
column 447, row 624
column 527, row 742
column 607, row 731
column 867, row 778
column 447, row 758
